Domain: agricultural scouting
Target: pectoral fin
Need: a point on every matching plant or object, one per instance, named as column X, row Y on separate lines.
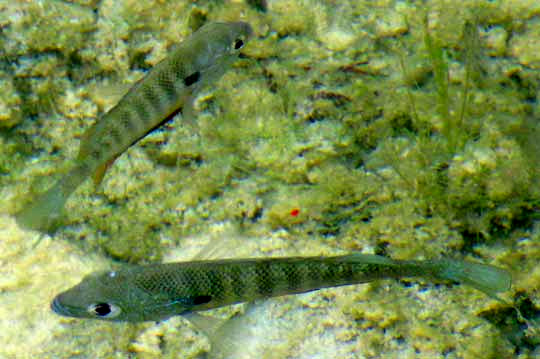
column 100, row 171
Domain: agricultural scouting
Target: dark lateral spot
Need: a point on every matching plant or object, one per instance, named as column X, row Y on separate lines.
column 202, row 299
column 191, row 79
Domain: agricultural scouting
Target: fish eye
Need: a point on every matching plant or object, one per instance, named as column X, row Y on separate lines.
column 104, row 310
column 238, row 44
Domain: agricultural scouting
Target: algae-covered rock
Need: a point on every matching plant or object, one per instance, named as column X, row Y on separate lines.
column 10, row 111
column 46, row 25
column 524, row 47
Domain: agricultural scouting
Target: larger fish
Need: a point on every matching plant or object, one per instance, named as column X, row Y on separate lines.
column 169, row 86
column 159, row 291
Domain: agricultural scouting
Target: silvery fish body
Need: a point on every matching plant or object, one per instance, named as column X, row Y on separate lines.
column 159, row 291
column 166, row 89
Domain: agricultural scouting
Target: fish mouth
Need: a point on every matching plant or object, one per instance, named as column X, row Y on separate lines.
column 58, row 308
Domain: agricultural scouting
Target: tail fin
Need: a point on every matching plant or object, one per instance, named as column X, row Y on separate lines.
column 43, row 212
column 486, row 278
column 47, row 208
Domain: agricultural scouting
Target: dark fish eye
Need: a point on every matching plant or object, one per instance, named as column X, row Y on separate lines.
column 238, row 44
column 104, row 310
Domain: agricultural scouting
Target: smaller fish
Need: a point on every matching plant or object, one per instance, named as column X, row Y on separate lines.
column 167, row 88
column 159, row 291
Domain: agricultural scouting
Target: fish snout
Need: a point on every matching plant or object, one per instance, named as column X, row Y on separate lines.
column 58, row 308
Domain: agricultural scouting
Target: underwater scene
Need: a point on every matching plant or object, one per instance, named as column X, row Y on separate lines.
column 269, row 179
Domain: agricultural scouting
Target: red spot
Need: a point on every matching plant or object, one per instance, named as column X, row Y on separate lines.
column 295, row 212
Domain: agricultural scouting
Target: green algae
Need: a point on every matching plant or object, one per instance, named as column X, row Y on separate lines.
column 378, row 122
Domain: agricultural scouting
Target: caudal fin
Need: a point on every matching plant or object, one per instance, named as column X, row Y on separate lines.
column 486, row 278
column 43, row 212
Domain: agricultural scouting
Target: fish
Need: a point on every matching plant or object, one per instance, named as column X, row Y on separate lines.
column 168, row 88
column 156, row 292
